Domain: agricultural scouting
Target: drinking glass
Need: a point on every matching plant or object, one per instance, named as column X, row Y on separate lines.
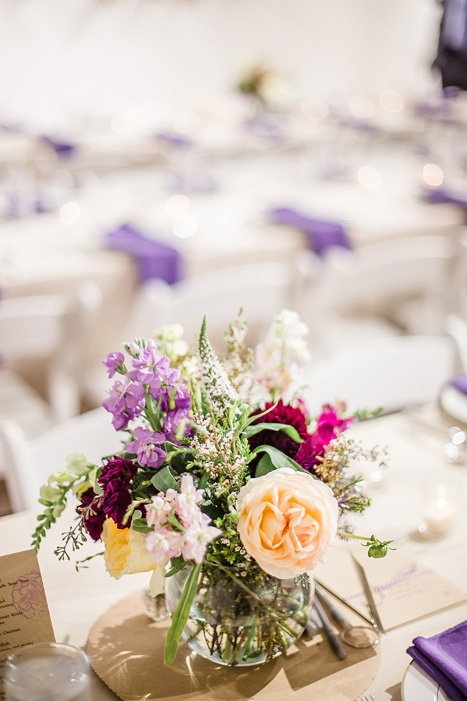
column 47, row 672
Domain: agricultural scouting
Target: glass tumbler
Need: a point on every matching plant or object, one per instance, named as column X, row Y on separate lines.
column 47, row 672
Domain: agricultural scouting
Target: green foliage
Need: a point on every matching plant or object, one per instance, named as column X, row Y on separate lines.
column 180, row 615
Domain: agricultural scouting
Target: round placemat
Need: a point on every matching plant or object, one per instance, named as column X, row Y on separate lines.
column 126, row 651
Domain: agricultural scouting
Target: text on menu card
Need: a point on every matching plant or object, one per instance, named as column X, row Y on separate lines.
column 24, row 613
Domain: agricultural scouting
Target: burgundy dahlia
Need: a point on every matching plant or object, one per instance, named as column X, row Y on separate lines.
column 115, row 479
column 281, row 414
column 91, row 512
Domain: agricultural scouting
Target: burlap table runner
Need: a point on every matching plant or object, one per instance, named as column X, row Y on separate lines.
column 126, row 652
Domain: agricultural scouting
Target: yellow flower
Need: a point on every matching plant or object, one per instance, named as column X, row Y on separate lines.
column 124, row 551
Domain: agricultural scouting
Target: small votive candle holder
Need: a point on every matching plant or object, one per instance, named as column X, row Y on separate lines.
column 439, row 509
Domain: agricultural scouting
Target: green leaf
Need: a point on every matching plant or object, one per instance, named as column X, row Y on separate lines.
column 274, row 459
column 178, row 563
column 164, row 480
column 180, row 615
column 175, row 522
column 139, row 524
column 253, row 429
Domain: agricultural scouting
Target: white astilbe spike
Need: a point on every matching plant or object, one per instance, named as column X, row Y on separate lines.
column 219, row 390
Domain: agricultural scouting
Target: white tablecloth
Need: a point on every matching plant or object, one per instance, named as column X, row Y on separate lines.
column 77, row 599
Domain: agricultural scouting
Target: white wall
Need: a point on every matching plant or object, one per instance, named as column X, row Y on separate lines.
column 68, row 57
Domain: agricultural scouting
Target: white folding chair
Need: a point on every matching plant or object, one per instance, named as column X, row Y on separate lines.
column 260, row 289
column 28, row 463
column 381, row 289
column 391, row 373
column 44, row 338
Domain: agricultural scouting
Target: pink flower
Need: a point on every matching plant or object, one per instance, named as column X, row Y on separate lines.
column 164, row 543
column 329, row 426
column 197, row 538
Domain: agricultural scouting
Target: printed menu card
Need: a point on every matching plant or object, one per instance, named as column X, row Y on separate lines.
column 24, row 613
column 396, row 589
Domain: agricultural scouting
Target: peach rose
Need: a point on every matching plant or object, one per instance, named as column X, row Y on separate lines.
column 288, row 519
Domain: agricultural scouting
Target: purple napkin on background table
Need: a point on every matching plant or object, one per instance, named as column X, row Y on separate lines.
column 321, row 234
column 262, row 126
column 62, row 148
column 155, row 259
column 444, row 658
column 174, row 138
column 459, row 382
column 441, row 195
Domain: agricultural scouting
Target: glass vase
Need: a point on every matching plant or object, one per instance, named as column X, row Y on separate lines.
column 242, row 616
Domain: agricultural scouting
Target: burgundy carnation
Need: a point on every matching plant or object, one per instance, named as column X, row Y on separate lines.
column 115, row 479
column 281, row 414
column 91, row 513
column 329, row 425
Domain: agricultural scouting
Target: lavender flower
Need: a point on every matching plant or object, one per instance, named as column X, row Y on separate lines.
column 125, row 402
column 147, row 448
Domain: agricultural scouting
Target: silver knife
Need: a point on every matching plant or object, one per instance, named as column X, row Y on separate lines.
column 373, row 611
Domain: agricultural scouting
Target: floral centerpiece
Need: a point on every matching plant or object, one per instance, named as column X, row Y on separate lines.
column 225, row 487
column 265, row 84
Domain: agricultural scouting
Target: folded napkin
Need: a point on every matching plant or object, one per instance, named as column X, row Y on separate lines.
column 441, row 195
column 263, row 127
column 321, row 234
column 155, row 259
column 444, row 658
column 173, row 138
column 62, row 148
column 459, row 382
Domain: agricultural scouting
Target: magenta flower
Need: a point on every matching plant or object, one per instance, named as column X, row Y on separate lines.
column 115, row 479
column 147, row 448
column 329, row 426
column 91, row 512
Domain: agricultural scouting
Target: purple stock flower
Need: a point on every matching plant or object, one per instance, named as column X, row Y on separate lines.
column 115, row 479
column 151, row 368
column 91, row 512
column 125, row 401
column 147, row 448
column 112, row 362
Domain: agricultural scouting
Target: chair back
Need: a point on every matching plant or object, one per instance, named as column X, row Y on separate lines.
column 28, row 463
column 261, row 290
column 47, row 334
column 391, row 373
column 379, row 279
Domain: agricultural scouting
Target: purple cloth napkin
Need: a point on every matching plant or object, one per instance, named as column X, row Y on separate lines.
column 62, row 148
column 440, row 195
column 321, row 234
column 174, row 138
column 264, row 127
column 444, row 658
column 155, row 259
column 459, row 382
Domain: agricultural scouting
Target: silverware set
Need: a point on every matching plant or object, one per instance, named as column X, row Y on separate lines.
column 323, row 612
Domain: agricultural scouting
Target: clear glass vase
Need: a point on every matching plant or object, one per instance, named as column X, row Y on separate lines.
column 242, row 616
